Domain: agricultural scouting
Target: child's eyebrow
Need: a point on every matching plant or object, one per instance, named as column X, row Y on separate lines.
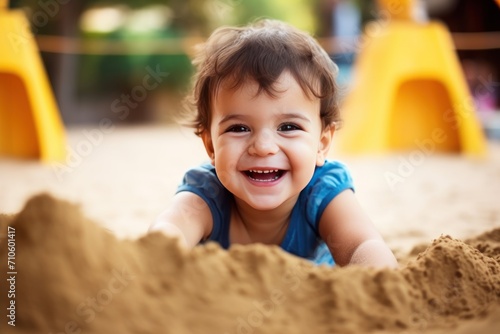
column 295, row 115
column 231, row 117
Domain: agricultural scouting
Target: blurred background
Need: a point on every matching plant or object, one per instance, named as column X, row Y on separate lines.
column 96, row 52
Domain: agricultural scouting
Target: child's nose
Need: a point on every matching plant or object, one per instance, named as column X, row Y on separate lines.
column 263, row 144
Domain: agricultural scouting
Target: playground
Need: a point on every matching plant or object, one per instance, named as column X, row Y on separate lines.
column 74, row 253
column 76, row 202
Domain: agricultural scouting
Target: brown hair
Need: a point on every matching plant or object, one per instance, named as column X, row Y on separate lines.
column 261, row 52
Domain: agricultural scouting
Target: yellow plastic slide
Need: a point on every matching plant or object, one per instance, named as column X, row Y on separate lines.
column 408, row 90
column 30, row 124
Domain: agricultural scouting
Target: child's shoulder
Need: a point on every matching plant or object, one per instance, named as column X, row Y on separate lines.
column 204, row 170
column 332, row 170
column 329, row 180
column 202, row 176
column 333, row 164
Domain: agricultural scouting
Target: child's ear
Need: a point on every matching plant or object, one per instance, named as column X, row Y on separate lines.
column 324, row 144
column 209, row 147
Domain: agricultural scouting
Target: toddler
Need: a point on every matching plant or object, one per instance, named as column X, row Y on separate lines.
column 266, row 111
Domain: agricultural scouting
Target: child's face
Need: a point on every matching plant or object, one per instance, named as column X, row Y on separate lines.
column 265, row 149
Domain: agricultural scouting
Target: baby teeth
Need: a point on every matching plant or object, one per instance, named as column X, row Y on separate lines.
column 264, row 171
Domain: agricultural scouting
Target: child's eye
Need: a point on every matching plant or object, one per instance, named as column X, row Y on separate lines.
column 237, row 128
column 288, row 127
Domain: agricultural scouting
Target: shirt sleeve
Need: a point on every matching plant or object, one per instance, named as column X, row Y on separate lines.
column 328, row 181
column 203, row 181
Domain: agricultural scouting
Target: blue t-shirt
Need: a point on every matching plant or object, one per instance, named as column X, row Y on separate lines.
column 302, row 237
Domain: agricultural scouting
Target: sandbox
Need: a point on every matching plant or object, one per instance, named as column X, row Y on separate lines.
column 85, row 264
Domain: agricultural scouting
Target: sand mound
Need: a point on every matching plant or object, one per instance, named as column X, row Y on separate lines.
column 73, row 275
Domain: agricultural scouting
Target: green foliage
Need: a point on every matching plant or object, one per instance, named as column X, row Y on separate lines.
column 299, row 13
column 101, row 73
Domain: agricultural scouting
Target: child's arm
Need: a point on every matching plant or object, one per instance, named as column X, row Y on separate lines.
column 188, row 218
column 351, row 236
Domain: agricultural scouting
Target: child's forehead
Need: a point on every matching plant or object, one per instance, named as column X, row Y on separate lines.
column 287, row 95
column 251, row 86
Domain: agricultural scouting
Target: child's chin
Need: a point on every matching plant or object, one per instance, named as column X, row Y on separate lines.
column 264, row 205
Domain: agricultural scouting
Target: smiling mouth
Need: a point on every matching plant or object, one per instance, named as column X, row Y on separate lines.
column 265, row 175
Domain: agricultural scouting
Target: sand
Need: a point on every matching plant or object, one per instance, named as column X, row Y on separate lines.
column 75, row 276
column 85, row 265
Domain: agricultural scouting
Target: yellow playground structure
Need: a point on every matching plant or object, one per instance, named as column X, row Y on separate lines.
column 30, row 124
column 408, row 89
